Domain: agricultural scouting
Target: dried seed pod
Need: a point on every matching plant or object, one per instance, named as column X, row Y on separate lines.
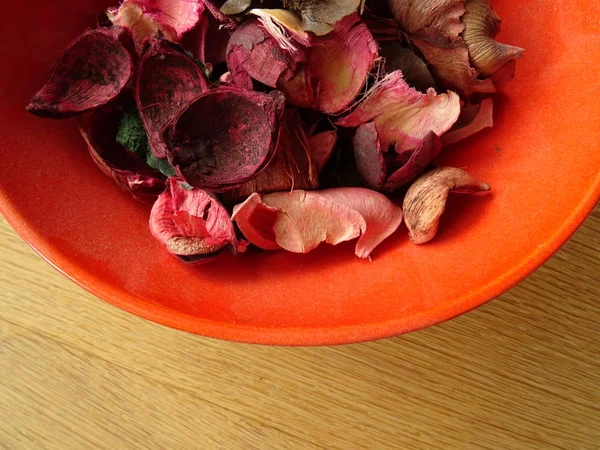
column 425, row 200
column 443, row 15
column 402, row 115
column 472, row 119
column 225, row 137
column 167, row 80
column 91, row 72
column 482, row 25
column 146, row 17
column 99, row 129
column 300, row 221
column 321, row 16
column 449, row 61
column 191, row 223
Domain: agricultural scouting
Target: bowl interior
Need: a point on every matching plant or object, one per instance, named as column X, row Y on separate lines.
column 542, row 160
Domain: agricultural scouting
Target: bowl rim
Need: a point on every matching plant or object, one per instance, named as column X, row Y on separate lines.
column 299, row 336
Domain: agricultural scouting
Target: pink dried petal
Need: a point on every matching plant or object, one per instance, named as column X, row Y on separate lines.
column 368, row 156
column 99, row 129
column 91, row 72
column 418, row 160
column 449, row 61
column 190, row 223
column 252, row 53
column 145, row 17
column 473, row 119
column 413, row 68
column 321, row 16
column 402, row 115
column 225, row 137
column 425, row 200
column 167, row 81
column 300, row 221
column 482, row 25
column 321, row 147
column 291, row 166
column 338, row 67
column 444, row 15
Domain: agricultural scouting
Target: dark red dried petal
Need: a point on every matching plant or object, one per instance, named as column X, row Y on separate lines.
column 167, row 81
column 225, row 137
column 99, row 129
column 91, row 72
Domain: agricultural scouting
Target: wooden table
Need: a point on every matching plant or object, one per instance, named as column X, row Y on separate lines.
column 522, row 372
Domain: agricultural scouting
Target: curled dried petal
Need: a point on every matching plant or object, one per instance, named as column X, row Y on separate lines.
column 322, row 146
column 444, row 15
column 99, row 129
column 368, row 155
column 449, row 61
column 425, row 200
column 402, row 115
column 300, row 221
column 482, row 25
column 225, row 137
column 167, row 80
column 92, row 71
column 473, row 119
column 191, row 223
column 320, row 16
column 145, row 17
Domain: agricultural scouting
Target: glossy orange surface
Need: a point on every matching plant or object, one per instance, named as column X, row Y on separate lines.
column 542, row 160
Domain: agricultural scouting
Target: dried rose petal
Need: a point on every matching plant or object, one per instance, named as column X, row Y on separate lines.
column 338, row 67
column 99, row 129
column 413, row 68
column 225, row 137
column 208, row 40
column 441, row 14
column 300, row 221
column 190, row 223
column 482, row 25
column 252, row 53
column 368, row 155
column 449, row 61
column 291, row 166
column 321, row 16
column 145, row 17
column 425, row 200
column 473, row 119
column 321, row 147
column 297, row 90
column 167, row 81
column 91, row 72
column 414, row 162
column 232, row 7
column 402, row 115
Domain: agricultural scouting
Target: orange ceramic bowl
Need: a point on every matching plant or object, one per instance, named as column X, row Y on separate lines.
column 542, row 160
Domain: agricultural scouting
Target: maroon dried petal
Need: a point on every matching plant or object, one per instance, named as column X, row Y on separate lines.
column 449, row 61
column 91, row 72
column 99, row 129
column 225, row 137
column 167, row 81
column 291, row 166
column 208, row 40
column 472, row 119
column 252, row 53
column 191, row 223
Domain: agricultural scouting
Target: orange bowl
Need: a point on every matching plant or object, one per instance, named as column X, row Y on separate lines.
column 542, row 159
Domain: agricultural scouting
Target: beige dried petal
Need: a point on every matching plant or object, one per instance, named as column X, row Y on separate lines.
column 425, row 201
column 482, row 25
column 443, row 15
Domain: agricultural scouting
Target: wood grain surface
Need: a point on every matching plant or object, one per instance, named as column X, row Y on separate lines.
column 522, row 372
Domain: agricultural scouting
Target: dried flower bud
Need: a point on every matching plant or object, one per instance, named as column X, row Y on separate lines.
column 146, row 17
column 425, row 200
column 92, row 71
column 191, row 223
column 443, row 15
column 225, row 137
column 99, row 129
column 482, row 25
column 167, row 80
column 321, row 16
column 300, row 221
column 472, row 119
column 402, row 115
